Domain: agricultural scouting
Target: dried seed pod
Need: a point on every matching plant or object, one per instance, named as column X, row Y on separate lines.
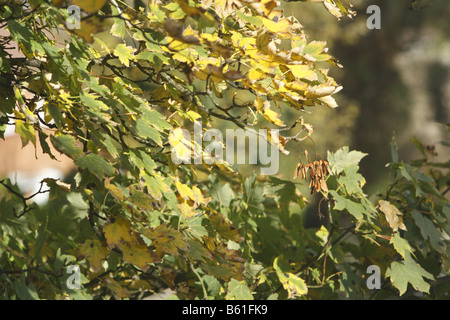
column 323, row 185
column 297, row 170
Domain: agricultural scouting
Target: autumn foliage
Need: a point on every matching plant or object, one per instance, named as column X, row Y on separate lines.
column 135, row 223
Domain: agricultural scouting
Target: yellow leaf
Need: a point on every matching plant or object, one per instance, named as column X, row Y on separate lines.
column 193, row 115
column 270, row 115
column 190, row 11
column 90, row 6
column 138, row 254
column 95, row 252
column 187, row 210
column 116, row 231
column 114, row 190
column 302, row 71
column 166, row 240
column 184, row 190
column 180, row 141
column 281, row 26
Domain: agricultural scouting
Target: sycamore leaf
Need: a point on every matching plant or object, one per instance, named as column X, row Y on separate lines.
column 116, row 231
column 238, row 290
column 400, row 245
column 166, row 240
column 52, row 183
column 223, row 271
column 337, row 9
column 119, row 291
column 352, row 180
column 264, row 109
column 96, row 164
column 66, row 144
column 26, row 132
column 294, row 285
column 145, row 130
column 91, row 101
column 124, row 53
column 156, row 119
column 119, row 27
column 428, row 230
column 302, row 71
column 187, row 208
column 90, row 6
column 343, row 159
column 95, row 252
column 281, row 26
column 138, row 254
column 191, row 193
column 408, row 271
column 141, row 200
column 155, row 185
column 393, row 216
column 181, row 144
column 356, row 209
column 224, row 227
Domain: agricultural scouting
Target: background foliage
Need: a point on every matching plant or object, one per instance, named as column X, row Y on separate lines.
column 136, row 223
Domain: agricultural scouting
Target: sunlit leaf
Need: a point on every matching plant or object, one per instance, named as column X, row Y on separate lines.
column 95, row 252
column 393, row 216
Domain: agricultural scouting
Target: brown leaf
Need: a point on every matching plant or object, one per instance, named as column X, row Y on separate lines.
column 393, row 216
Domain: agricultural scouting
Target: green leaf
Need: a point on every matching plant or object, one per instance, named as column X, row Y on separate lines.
column 119, row 27
column 282, row 191
column 354, row 208
column 91, row 101
column 55, row 113
column 400, row 245
column 294, row 285
column 155, row 185
column 428, row 230
column 408, row 271
column 238, row 290
column 124, row 53
column 7, row 99
column 342, row 159
column 156, row 119
column 24, row 291
column 144, row 129
column 109, row 143
column 66, row 144
column 141, row 200
column 255, row 20
column 352, row 180
column 347, row 280
column 26, row 132
column 96, row 164
column 22, row 34
column 225, row 228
